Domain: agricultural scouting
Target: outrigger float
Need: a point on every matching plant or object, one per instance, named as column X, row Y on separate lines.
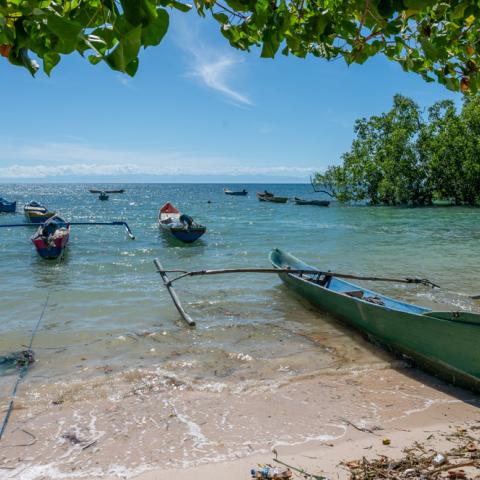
column 51, row 238
column 444, row 343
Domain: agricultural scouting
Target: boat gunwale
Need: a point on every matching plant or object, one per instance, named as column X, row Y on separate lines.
column 356, row 287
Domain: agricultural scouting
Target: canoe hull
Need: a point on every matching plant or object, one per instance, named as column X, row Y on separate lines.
column 271, row 198
column 185, row 236
column 317, row 203
column 35, row 217
column 236, row 194
column 446, row 348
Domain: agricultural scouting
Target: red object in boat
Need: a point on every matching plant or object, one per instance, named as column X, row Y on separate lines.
column 168, row 208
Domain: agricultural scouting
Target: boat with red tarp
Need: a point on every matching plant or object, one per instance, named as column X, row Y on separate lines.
column 179, row 225
column 51, row 238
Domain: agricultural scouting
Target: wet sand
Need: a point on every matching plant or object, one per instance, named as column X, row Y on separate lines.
column 152, row 425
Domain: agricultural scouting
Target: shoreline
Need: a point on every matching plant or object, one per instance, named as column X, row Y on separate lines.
column 148, row 426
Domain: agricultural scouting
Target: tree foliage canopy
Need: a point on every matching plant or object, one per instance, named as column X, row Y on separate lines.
column 437, row 39
column 405, row 158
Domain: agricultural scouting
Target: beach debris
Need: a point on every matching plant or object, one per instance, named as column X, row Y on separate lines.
column 457, row 474
column 16, row 359
column 439, row 459
column 301, row 471
column 265, row 472
column 386, row 441
column 421, row 462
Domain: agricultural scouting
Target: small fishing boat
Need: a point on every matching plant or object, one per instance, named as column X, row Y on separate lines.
column 239, row 193
column 270, row 197
column 37, row 213
column 318, row 203
column 179, row 225
column 6, row 206
column 103, row 194
column 442, row 342
column 52, row 237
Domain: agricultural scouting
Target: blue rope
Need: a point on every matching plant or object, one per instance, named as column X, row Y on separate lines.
column 23, row 371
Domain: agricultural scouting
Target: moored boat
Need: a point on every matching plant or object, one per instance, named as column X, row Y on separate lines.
column 104, row 194
column 37, row 213
column 318, row 203
column 270, row 197
column 239, row 193
column 51, row 238
column 6, row 206
column 180, row 226
column 444, row 343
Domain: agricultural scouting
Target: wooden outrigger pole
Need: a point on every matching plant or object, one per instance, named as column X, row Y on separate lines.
column 168, row 285
column 184, row 273
column 125, row 224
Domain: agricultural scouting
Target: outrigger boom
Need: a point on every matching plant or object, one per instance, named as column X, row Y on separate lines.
column 317, row 273
column 125, row 224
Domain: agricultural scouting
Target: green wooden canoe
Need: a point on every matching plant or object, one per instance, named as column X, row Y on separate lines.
column 444, row 343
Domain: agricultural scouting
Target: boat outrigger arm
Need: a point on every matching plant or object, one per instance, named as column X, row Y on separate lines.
column 125, row 224
column 321, row 276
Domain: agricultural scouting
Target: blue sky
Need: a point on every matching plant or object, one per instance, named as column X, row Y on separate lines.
column 197, row 110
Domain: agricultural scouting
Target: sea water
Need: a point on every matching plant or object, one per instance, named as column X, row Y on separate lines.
column 107, row 310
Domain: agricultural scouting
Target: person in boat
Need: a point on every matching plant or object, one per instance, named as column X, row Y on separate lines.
column 49, row 229
column 186, row 220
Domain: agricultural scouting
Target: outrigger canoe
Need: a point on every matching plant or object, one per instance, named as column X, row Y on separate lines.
column 180, row 226
column 239, row 193
column 318, row 203
column 51, row 238
column 444, row 343
column 270, row 197
column 37, row 213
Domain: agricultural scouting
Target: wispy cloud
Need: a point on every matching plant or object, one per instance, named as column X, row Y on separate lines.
column 214, row 68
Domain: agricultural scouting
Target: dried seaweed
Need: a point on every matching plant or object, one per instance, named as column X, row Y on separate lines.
column 419, row 462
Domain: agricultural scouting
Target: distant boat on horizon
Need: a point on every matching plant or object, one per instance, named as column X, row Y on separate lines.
column 238, row 193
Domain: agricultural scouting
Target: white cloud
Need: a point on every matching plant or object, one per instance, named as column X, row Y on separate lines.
column 214, row 68
column 97, row 170
column 50, row 160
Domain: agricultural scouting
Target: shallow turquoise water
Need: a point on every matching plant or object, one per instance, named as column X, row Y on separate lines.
column 107, row 306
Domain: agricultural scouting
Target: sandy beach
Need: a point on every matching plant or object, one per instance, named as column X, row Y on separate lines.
column 150, row 425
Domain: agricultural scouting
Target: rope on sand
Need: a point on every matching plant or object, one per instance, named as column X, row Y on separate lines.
column 23, row 371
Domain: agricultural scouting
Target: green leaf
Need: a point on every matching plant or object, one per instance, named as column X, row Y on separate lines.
column 50, row 59
column 430, row 51
column 183, row 7
column 66, row 30
column 126, row 50
column 418, row 4
column 221, row 18
column 132, row 67
column 271, row 43
column 153, row 34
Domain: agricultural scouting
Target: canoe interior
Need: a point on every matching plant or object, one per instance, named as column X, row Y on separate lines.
column 283, row 260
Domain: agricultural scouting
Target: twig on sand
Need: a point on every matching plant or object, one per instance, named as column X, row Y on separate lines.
column 88, row 445
column 301, row 471
column 360, row 429
column 31, row 435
